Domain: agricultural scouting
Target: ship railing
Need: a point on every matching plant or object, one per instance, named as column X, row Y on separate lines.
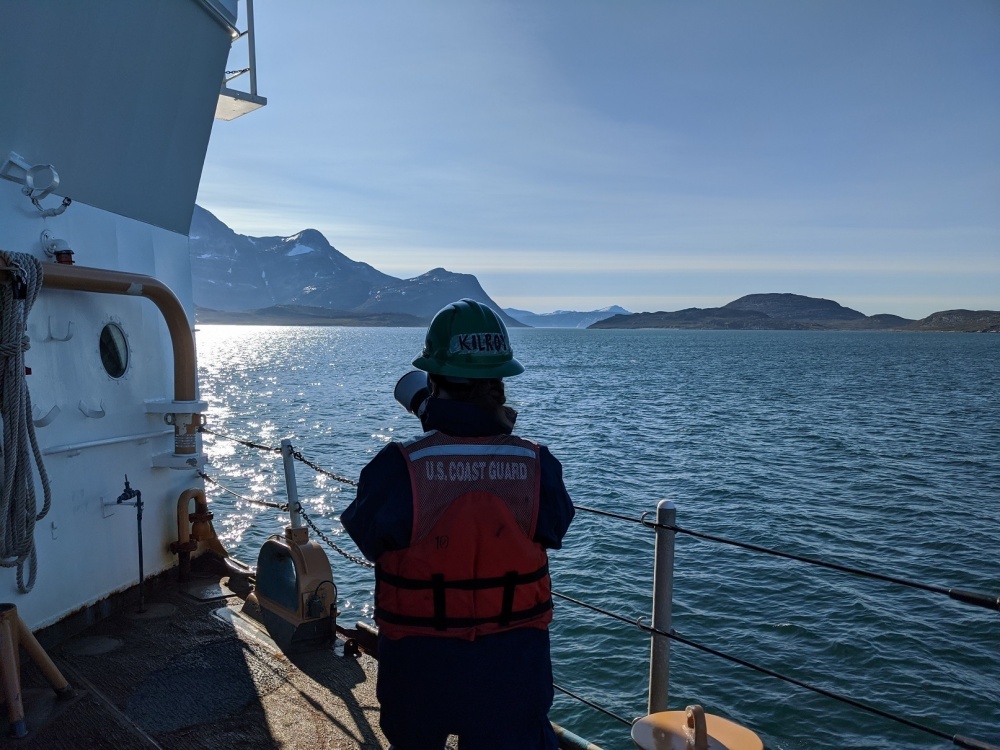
column 660, row 627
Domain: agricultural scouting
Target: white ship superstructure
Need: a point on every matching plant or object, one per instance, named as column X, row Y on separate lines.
column 106, row 116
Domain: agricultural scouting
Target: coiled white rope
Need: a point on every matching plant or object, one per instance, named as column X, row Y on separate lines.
column 18, row 507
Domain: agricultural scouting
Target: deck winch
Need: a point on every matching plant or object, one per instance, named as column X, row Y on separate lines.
column 294, row 596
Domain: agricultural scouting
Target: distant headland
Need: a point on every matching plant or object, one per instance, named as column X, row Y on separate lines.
column 795, row 312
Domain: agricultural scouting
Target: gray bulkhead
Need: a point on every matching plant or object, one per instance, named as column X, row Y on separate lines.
column 119, row 97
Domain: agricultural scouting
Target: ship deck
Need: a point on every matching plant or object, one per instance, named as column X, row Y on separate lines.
column 192, row 672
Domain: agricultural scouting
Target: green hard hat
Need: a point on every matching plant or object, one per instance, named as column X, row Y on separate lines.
column 466, row 339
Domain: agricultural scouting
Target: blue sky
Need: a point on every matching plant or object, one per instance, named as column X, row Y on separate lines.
column 658, row 155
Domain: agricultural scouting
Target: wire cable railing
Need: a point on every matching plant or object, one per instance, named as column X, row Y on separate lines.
column 956, row 739
column 592, row 704
column 966, row 597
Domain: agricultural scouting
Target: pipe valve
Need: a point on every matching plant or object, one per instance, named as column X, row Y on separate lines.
column 126, row 498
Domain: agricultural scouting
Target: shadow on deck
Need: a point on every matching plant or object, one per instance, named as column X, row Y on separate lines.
column 191, row 672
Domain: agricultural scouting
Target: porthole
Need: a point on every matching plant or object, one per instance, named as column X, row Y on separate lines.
column 114, row 350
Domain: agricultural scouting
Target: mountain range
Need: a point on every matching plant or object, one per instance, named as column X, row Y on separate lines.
column 304, row 280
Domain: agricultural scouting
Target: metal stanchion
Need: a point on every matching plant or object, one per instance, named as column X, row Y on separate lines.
column 290, row 487
column 663, row 592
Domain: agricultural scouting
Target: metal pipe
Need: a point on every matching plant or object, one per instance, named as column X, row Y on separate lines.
column 570, row 741
column 252, row 49
column 104, row 281
column 69, row 448
column 194, row 530
column 130, row 496
column 142, row 575
column 292, row 490
column 663, row 593
column 183, row 546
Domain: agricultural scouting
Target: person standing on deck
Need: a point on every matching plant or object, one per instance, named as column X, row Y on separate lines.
column 457, row 521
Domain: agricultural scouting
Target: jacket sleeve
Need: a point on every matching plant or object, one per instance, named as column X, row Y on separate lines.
column 555, row 508
column 381, row 517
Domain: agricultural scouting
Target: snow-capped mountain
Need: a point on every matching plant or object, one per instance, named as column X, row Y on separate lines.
column 235, row 272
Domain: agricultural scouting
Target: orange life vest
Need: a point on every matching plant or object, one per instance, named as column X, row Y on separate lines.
column 472, row 567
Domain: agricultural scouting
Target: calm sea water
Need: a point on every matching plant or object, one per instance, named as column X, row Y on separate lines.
column 874, row 450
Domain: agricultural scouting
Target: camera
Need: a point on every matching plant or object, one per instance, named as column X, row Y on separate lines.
column 412, row 390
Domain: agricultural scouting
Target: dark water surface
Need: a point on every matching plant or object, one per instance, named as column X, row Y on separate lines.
column 873, row 450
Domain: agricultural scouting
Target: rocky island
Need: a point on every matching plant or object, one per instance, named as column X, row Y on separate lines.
column 796, row 312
